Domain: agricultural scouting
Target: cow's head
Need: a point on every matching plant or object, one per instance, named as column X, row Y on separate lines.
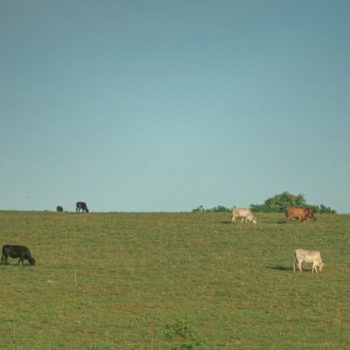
column 309, row 213
column 31, row 261
column 252, row 218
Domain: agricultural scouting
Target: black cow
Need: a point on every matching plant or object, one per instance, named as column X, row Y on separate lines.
column 59, row 209
column 81, row 206
column 16, row 251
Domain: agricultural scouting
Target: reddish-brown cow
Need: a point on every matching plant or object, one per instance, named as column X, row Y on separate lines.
column 300, row 214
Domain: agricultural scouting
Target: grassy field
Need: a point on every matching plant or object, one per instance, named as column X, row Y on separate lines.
column 163, row 280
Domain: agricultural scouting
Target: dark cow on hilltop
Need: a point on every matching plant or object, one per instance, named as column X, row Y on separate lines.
column 16, row 251
column 301, row 214
column 59, row 209
column 82, row 207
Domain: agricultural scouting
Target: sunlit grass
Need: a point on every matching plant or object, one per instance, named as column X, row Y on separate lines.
column 114, row 281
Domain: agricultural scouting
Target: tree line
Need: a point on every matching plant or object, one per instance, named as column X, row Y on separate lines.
column 277, row 203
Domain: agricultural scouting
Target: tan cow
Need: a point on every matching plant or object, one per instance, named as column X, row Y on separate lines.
column 244, row 213
column 309, row 257
column 300, row 214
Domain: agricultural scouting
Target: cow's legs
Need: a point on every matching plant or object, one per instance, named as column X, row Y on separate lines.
column 296, row 264
column 233, row 220
column 299, row 266
column 302, row 220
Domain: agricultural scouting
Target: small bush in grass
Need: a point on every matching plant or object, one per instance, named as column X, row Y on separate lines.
column 181, row 335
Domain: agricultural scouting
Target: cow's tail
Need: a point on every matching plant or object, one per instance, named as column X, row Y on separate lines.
column 3, row 255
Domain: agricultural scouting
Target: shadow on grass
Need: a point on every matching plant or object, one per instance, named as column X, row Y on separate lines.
column 16, row 265
column 281, row 222
column 237, row 223
column 280, row 268
column 226, row 222
column 229, row 222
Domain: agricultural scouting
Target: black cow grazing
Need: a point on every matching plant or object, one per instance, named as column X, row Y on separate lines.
column 59, row 209
column 81, row 206
column 16, row 251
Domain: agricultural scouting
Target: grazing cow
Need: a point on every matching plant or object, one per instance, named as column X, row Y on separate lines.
column 59, row 209
column 16, row 251
column 81, row 206
column 295, row 213
column 244, row 213
column 309, row 257
column 300, row 214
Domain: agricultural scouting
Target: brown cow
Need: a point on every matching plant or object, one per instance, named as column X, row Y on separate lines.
column 300, row 214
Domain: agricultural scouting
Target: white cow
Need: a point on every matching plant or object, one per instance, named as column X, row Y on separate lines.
column 309, row 257
column 243, row 213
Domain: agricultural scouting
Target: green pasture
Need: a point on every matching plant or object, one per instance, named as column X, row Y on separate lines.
column 173, row 281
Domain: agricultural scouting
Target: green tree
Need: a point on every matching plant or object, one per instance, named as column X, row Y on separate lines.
column 280, row 202
column 217, row 209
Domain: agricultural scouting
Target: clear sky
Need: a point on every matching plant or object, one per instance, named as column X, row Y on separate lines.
column 164, row 105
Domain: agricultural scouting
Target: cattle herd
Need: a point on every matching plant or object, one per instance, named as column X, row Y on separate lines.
column 300, row 214
column 300, row 255
column 21, row 252
column 81, row 207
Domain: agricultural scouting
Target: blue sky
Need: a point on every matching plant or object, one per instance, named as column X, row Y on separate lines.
column 167, row 105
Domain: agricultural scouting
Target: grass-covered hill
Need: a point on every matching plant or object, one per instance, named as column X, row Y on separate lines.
column 166, row 280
